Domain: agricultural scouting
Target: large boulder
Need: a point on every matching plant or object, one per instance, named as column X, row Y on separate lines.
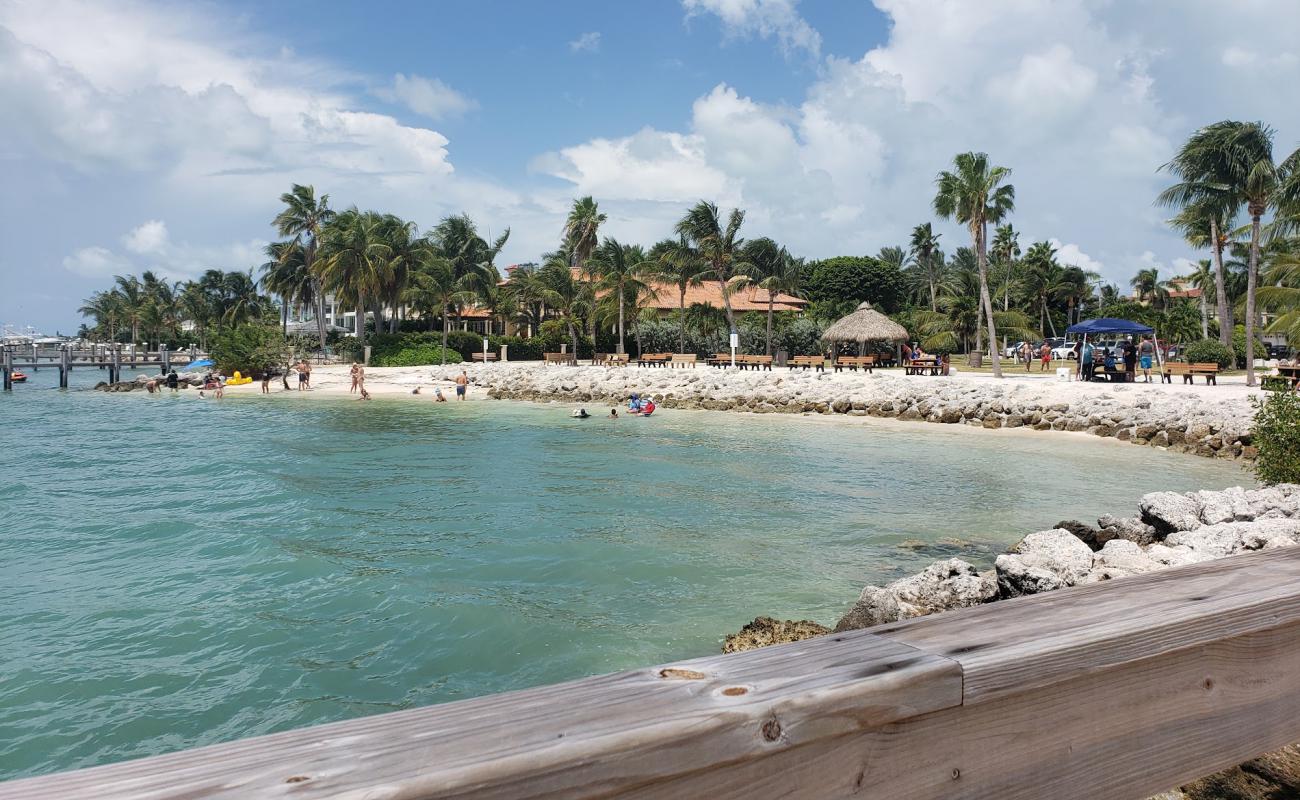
column 1212, row 541
column 1016, row 577
column 1086, row 533
column 1229, row 505
column 1170, row 511
column 1057, row 551
column 764, row 631
column 1130, row 528
column 875, row 606
column 1120, row 558
column 952, row 583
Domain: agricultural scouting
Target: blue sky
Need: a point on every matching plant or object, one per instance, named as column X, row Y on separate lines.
column 138, row 135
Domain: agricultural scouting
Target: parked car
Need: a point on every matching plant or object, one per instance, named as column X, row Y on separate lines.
column 1013, row 350
column 1063, row 351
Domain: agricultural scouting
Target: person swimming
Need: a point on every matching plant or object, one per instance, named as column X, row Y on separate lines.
column 613, row 413
column 580, row 413
column 648, row 407
column 634, row 405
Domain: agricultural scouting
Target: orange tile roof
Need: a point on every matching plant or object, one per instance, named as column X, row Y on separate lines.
column 749, row 298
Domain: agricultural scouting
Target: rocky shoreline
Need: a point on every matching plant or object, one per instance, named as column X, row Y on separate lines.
column 1171, row 529
column 1215, row 425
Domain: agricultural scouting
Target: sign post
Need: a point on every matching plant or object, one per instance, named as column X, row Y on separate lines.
column 485, row 348
column 735, row 342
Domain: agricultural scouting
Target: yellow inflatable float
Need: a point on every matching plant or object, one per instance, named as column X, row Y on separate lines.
column 238, row 380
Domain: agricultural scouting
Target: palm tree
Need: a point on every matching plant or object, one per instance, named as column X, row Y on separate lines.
column 776, row 271
column 718, row 248
column 1205, row 223
column 1076, row 287
column 285, row 273
column 243, row 303
column 894, row 256
column 1043, row 280
column 302, row 218
column 681, row 265
column 581, row 238
column 433, row 290
column 925, row 244
column 473, row 259
column 621, row 268
column 106, row 309
column 1203, row 278
column 1148, row 287
column 354, row 260
column 1005, row 250
column 973, row 196
column 563, row 293
column 133, row 300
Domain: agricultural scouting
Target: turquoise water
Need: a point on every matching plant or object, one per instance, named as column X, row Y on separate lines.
column 176, row 572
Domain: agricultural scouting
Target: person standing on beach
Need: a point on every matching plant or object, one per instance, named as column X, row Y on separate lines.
column 1147, row 351
column 462, row 383
column 359, row 377
column 1045, row 355
column 301, row 366
column 306, row 365
column 266, row 381
column 173, row 380
column 1026, row 354
column 355, row 368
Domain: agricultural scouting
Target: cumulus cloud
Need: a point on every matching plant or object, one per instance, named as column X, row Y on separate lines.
column 1071, row 255
column 428, row 97
column 150, row 237
column 96, row 262
column 586, row 43
column 762, row 18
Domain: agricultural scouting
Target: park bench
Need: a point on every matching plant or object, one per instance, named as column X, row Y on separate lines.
column 616, row 360
column 559, row 358
column 684, row 360
column 1189, row 371
column 816, row 362
column 1209, row 370
column 653, row 359
column 484, row 357
column 853, row 362
column 756, row 362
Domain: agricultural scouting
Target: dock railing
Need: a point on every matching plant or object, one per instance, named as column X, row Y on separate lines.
column 1119, row 689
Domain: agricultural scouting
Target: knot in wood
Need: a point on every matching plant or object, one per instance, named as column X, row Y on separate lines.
column 771, row 730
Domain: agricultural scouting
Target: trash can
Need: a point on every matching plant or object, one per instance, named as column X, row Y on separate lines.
column 782, row 357
column 976, row 359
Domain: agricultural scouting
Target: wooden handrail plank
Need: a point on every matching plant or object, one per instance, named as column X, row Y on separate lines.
column 1123, row 733
column 1014, row 645
column 587, row 738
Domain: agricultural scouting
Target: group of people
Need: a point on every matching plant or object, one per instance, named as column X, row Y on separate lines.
column 1028, row 353
column 637, row 406
column 1130, row 355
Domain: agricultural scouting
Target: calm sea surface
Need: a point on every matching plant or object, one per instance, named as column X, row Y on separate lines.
column 176, row 572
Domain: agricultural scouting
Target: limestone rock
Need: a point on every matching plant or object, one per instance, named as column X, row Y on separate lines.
column 1130, row 528
column 1120, row 558
column 764, row 631
column 1086, row 533
column 1016, row 577
column 1170, row 511
column 1058, row 551
column 875, row 606
column 952, row 583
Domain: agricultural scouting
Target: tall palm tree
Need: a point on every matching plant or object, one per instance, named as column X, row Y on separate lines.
column 718, row 247
column 564, row 294
column 621, row 269
column 1148, row 287
column 354, row 260
column 894, row 256
column 973, row 194
column 925, row 244
column 1005, row 250
column 1044, row 280
column 680, row 264
column 285, row 274
column 302, row 218
column 473, row 259
column 242, row 302
column 580, row 239
column 133, row 301
column 1204, row 223
column 434, row 290
column 775, row 271
column 106, row 309
column 1076, row 286
column 1203, row 278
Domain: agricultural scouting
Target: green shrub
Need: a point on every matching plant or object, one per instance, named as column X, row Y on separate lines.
column 1277, row 437
column 416, row 355
column 1207, row 350
column 250, row 349
column 1239, row 345
column 519, row 349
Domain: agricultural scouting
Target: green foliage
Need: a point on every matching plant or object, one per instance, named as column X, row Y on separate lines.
column 1277, row 436
column 416, row 355
column 802, row 337
column 251, row 349
column 1207, row 350
column 1239, row 345
column 855, row 279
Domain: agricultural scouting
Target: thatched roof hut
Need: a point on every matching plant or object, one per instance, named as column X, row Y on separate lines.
column 863, row 326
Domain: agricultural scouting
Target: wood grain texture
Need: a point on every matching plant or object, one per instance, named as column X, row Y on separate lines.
column 1020, row 644
column 1122, row 733
column 591, row 738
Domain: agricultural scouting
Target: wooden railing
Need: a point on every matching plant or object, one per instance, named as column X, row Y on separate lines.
column 1116, row 690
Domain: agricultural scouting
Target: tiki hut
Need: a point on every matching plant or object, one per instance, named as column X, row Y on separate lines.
column 864, row 326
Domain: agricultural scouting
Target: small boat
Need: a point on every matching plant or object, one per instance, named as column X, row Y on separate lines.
column 18, row 377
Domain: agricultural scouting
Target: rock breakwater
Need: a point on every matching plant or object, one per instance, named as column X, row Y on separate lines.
column 1176, row 417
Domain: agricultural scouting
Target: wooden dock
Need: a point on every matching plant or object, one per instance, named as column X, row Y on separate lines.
column 111, row 357
column 1120, row 689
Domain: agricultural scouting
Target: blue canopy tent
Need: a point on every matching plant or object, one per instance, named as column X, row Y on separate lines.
column 1110, row 325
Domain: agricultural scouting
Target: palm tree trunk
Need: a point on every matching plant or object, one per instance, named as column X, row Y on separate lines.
column 361, row 320
column 1225, row 323
column 621, row 348
column 444, row 333
column 284, row 315
column 982, row 260
column 769, row 322
column 573, row 337
column 1205, row 317
column 1251, row 274
column 726, row 305
column 681, row 319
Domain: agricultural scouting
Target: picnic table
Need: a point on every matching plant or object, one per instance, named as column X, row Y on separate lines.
column 1290, row 373
column 921, row 366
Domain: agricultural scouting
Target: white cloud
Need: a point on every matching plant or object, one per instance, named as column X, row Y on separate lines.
column 764, row 19
column 1071, row 255
column 150, row 237
column 96, row 262
column 586, row 43
column 428, row 97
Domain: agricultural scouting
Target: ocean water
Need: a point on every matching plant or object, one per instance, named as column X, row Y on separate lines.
column 176, row 572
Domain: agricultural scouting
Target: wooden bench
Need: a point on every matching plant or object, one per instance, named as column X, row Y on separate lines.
column 1190, row 371
column 684, row 360
column 616, row 360
column 754, row 362
column 853, row 362
column 484, row 357
column 921, row 366
column 816, row 362
column 559, row 358
column 653, row 359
